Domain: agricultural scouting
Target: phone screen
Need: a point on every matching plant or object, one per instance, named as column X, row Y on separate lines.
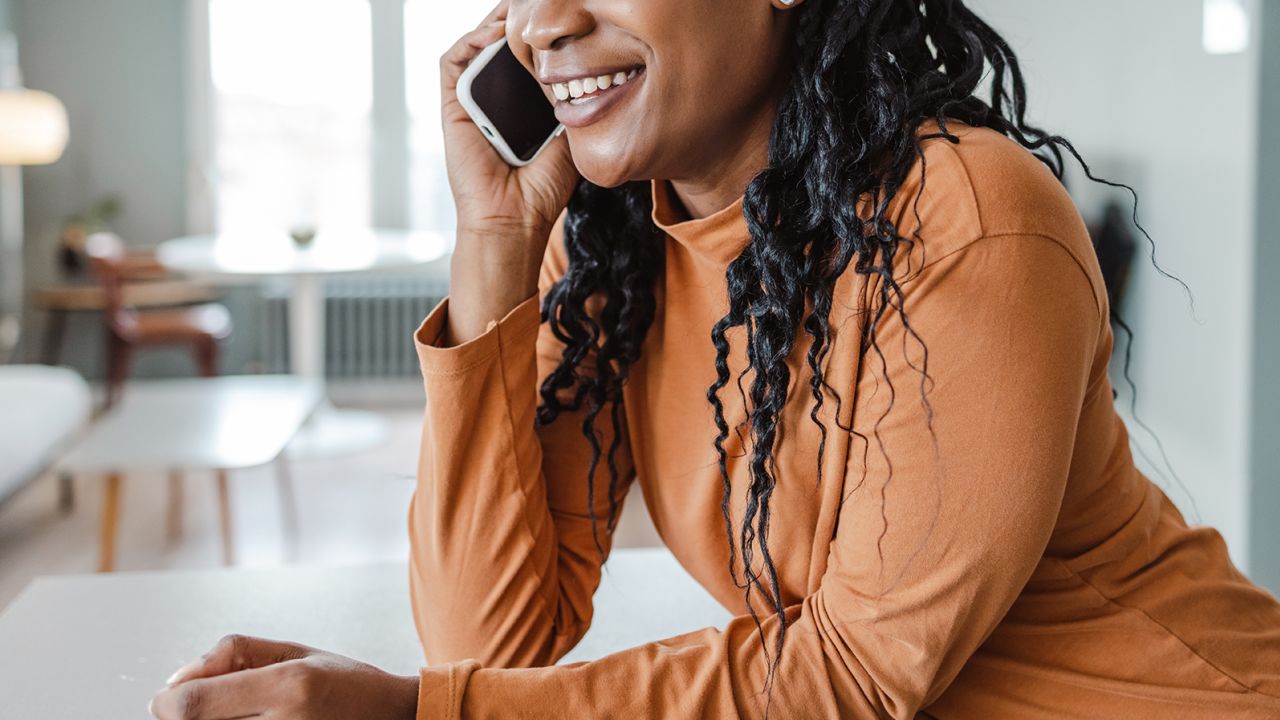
column 515, row 104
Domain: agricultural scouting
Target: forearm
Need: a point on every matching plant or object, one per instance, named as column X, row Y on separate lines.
column 483, row 545
column 492, row 272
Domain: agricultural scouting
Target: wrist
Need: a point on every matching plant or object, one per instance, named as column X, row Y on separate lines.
column 408, row 687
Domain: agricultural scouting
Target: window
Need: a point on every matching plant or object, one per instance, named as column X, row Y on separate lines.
column 431, row 28
column 292, row 97
column 305, row 122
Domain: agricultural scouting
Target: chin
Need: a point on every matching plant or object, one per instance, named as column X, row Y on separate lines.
column 605, row 164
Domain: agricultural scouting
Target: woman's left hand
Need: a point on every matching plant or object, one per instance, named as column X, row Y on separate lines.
column 249, row 677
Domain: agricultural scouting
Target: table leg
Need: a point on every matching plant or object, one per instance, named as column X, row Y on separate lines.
column 224, row 518
column 176, row 502
column 66, row 492
column 110, row 524
column 329, row 432
column 54, row 331
column 306, row 327
column 288, row 509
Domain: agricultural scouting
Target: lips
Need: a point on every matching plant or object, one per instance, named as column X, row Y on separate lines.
column 581, row 101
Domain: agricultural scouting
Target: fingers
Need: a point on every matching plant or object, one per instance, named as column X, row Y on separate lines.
column 498, row 14
column 234, row 653
column 238, row 695
column 458, row 57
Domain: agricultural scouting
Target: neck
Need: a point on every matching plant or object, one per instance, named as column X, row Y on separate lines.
column 722, row 179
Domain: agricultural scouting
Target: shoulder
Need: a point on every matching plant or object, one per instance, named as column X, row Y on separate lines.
column 982, row 184
column 982, row 188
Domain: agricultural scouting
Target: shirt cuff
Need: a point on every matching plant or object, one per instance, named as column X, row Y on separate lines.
column 441, row 688
column 436, row 360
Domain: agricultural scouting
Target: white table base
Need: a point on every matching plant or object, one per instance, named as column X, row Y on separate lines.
column 329, row 432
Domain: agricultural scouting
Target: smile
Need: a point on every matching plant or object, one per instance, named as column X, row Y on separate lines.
column 586, row 100
column 587, row 89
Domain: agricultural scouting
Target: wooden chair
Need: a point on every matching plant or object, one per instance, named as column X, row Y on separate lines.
column 60, row 301
column 199, row 327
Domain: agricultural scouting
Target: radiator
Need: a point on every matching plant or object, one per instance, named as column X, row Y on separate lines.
column 369, row 324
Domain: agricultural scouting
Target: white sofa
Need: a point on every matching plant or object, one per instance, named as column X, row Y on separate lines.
column 42, row 410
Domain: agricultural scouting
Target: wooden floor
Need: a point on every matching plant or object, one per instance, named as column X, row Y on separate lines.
column 350, row 510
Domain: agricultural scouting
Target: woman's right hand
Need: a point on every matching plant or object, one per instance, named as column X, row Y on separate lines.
column 505, row 214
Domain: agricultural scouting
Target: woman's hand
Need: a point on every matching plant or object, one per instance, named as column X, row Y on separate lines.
column 505, row 214
column 249, row 677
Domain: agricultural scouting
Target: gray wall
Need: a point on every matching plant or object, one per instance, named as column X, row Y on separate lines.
column 6, row 13
column 1265, row 460
column 120, row 68
column 1131, row 84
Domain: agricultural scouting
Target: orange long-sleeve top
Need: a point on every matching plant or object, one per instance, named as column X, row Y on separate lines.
column 1021, row 568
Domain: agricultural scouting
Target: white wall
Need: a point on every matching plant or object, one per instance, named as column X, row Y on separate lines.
column 1130, row 83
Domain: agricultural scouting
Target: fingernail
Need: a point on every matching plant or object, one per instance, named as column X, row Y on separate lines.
column 183, row 671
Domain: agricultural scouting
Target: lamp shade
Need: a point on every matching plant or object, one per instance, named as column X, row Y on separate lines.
column 33, row 127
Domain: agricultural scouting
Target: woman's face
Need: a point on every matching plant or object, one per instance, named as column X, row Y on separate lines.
column 654, row 88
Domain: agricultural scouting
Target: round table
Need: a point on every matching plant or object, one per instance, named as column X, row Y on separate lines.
column 237, row 257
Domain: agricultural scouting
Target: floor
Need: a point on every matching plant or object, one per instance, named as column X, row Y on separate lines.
column 351, row 510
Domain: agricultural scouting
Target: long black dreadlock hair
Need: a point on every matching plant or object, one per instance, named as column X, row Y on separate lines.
column 867, row 74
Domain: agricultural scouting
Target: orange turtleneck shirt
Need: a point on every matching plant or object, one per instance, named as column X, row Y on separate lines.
column 1021, row 568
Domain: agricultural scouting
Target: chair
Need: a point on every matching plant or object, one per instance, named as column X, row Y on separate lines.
column 199, row 327
column 60, row 301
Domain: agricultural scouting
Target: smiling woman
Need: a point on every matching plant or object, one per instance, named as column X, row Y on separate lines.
column 824, row 299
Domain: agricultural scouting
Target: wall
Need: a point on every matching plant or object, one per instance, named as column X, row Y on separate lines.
column 1131, row 84
column 6, row 15
column 1265, row 470
column 120, row 68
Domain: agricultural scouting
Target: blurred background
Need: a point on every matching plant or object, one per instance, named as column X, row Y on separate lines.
column 249, row 188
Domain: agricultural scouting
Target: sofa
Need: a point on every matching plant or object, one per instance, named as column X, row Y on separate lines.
column 42, row 411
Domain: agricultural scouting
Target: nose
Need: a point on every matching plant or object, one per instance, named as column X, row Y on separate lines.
column 550, row 24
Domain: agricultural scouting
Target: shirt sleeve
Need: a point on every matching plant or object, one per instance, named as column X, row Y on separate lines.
column 937, row 536
column 503, row 562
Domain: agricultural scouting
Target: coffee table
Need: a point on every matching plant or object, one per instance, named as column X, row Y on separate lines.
column 220, row 424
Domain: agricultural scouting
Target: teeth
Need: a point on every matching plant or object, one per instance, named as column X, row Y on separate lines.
column 576, row 89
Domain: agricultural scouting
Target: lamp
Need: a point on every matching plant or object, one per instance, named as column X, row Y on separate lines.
column 33, row 131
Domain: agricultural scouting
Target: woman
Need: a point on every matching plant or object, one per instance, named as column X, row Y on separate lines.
column 852, row 344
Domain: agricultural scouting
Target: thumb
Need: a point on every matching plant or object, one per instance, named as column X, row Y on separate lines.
column 553, row 174
column 234, row 653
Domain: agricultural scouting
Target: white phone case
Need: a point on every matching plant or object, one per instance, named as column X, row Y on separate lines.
column 481, row 119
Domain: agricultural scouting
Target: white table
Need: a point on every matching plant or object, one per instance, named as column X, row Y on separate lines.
column 221, row 424
column 100, row 646
column 241, row 257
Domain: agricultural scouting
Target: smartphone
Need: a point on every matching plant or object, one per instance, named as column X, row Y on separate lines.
column 508, row 105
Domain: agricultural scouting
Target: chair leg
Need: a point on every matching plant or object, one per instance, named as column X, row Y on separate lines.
column 66, row 493
column 288, row 510
column 224, row 517
column 119, row 355
column 54, row 333
column 176, row 502
column 110, row 524
column 207, row 357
